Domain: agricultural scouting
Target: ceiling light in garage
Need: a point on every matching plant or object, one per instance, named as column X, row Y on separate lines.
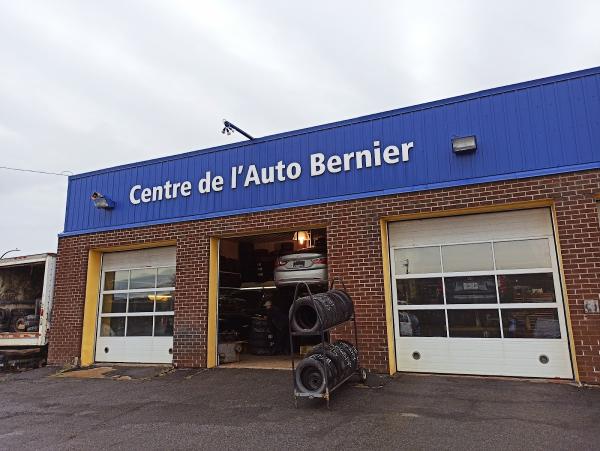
column 301, row 236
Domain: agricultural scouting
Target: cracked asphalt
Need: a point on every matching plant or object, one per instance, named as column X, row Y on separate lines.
column 252, row 409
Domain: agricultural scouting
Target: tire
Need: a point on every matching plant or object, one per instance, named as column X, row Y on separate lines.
column 343, row 355
column 335, row 354
column 310, row 376
column 351, row 352
column 348, row 306
column 307, row 314
column 332, row 308
column 17, row 324
column 364, row 375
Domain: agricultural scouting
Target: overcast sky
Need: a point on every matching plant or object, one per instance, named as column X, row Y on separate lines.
column 86, row 85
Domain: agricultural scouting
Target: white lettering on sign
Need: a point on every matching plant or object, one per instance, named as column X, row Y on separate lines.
column 316, row 164
column 405, row 148
column 361, row 159
column 134, row 200
column 209, row 183
column 253, row 175
column 167, row 191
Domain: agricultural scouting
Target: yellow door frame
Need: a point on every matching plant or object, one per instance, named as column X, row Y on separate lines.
column 387, row 284
column 213, row 304
column 90, row 309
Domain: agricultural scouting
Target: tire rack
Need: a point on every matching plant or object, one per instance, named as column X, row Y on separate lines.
column 361, row 372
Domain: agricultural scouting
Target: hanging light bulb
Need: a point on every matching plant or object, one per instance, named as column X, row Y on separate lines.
column 301, row 236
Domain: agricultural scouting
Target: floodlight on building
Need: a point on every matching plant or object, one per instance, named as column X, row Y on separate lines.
column 464, row 144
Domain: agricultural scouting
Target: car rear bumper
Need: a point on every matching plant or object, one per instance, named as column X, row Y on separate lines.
column 311, row 276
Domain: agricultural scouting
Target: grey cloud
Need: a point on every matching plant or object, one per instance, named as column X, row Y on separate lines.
column 85, row 85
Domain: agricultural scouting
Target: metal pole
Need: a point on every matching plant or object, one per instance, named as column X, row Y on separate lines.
column 231, row 126
column 7, row 252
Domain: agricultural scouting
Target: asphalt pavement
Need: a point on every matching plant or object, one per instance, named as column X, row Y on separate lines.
column 253, row 409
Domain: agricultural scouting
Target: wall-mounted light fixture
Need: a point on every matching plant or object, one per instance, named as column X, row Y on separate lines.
column 230, row 127
column 465, row 144
column 101, row 201
column 301, row 236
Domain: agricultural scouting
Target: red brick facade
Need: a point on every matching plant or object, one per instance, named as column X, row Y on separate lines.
column 354, row 253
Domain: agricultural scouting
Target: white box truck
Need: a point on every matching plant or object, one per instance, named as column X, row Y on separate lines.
column 26, row 293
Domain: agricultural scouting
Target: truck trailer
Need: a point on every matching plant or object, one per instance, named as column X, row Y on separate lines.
column 26, row 292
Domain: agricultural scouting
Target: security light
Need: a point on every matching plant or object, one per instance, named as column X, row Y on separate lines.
column 465, row 144
column 101, row 201
column 230, row 127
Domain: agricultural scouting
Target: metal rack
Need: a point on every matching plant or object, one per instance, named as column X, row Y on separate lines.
column 322, row 332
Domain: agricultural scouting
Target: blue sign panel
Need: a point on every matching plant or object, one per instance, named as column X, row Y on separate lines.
column 542, row 127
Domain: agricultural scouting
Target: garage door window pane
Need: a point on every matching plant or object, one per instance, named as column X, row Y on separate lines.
column 114, row 303
column 530, row 323
column 141, row 302
column 163, row 326
column 474, row 323
column 522, row 254
column 471, row 290
column 526, row 288
column 139, row 326
column 164, row 301
column 142, row 278
column 420, row 291
column 422, row 323
column 165, row 277
column 116, row 280
column 112, row 327
column 422, row 260
column 468, row 257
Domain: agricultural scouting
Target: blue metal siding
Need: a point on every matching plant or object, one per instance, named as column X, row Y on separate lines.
column 543, row 127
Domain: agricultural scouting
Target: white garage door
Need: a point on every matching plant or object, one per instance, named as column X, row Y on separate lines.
column 135, row 320
column 479, row 294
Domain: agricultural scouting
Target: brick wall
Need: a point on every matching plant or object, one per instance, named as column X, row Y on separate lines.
column 354, row 253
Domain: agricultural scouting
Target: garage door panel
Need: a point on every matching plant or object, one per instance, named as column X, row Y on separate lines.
column 485, row 357
column 471, row 228
column 160, row 256
column 479, row 294
column 135, row 349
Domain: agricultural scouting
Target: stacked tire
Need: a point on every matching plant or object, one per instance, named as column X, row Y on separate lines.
column 326, row 366
column 324, row 310
column 261, row 339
